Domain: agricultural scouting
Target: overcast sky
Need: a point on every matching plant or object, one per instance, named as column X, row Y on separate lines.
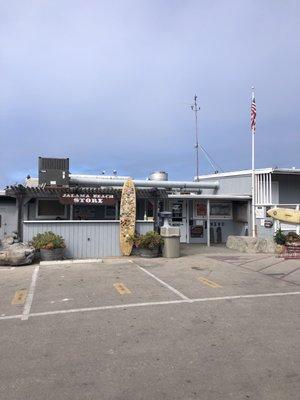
column 106, row 83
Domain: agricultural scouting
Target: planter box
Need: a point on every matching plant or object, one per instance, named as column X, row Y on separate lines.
column 135, row 251
column 51, row 255
column 149, row 253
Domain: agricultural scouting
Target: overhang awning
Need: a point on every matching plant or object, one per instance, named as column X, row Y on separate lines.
column 54, row 192
column 209, row 196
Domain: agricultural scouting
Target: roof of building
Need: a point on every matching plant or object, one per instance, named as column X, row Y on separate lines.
column 41, row 192
column 210, row 196
column 249, row 172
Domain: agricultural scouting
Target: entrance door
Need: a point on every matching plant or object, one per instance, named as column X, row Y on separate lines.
column 8, row 220
column 179, row 217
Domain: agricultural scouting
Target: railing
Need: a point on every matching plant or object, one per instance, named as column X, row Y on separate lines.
column 85, row 239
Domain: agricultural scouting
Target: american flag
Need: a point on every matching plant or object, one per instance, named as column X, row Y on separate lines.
column 253, row 114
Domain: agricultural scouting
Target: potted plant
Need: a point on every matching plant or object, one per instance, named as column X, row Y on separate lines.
column 280, row 240
column 50, row 245
column 147, row 245
column 134, row 239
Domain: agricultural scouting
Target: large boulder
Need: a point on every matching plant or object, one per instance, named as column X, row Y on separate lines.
column 13, row 252
column 247, row 244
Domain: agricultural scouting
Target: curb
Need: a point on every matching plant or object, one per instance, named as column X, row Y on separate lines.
column 67, row 262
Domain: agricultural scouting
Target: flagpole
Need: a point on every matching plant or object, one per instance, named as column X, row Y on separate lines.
column 253, row 173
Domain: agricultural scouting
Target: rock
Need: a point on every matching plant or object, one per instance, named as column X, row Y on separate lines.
column 271, row 246
column 12, row 253
column 7, row 241
column 247, row 244
column 279, row 248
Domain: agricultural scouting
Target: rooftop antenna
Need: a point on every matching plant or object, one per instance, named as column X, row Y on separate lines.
column 196, row 108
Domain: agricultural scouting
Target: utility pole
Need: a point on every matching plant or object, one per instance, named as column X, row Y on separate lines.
column 253, row 129
column 196, row 108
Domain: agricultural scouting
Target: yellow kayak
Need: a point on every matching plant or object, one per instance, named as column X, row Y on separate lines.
column 285, row 214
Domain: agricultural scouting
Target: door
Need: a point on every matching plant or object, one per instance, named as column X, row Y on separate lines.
column 8, row 220
column 275, row 192
column 179, row 217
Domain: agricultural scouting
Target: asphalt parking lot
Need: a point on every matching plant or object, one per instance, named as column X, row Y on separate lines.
column 219, row 325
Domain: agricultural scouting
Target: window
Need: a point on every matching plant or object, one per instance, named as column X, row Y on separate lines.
column 110, row 212
column 218, row 210
column 177, row 212
column 221, row 210
column 51, row 209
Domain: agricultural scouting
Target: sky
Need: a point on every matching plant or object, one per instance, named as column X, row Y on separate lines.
column 108, row 84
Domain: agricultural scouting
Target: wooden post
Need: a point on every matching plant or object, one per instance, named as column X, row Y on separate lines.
column 20, row 204
column 155, row 211
column 208, row 222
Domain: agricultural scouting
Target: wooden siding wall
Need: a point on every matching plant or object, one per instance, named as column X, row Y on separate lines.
column 85, row 239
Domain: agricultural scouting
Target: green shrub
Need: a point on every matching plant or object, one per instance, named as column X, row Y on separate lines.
column 151, row 240
column 279, row 237
column 48, row 240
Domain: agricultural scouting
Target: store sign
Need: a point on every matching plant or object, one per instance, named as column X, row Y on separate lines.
column 87, row 199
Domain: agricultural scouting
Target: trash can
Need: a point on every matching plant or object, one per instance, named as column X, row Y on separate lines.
column 171, row 236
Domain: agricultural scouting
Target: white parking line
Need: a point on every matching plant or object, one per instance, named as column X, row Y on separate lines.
column 11, row 317
column 29, row 299
column 154, row 303
column 162, row 282
column 246, row 296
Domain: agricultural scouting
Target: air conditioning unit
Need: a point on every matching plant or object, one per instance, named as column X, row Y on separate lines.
column 54, row 172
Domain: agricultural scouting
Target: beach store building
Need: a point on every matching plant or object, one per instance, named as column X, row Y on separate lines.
column 85, row 209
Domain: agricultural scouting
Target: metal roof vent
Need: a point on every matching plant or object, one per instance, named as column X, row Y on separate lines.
column 158, row 176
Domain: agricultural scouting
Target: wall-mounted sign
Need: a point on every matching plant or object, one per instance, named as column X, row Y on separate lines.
column 200, row 209
column 268, row 223
column 87, row 199
column 177, row 212
column 288, row 227
column 197, row 231
column 260, row 212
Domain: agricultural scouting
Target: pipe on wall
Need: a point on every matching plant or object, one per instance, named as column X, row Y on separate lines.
column 97, row 180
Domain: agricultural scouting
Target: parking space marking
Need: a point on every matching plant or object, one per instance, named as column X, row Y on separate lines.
column 19, row 297
column 208, row 282
column 121, row 288
column 154, row 303
column 162, row 282
column 29, row 299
